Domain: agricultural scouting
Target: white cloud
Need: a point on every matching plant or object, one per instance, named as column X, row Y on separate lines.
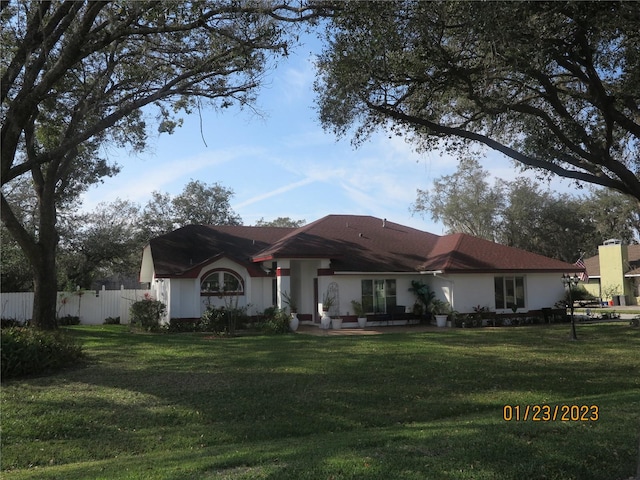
column 297, row 81
column 139, row 179
column 275, row 192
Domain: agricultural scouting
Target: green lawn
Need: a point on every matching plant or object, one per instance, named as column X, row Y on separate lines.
column 406, row 406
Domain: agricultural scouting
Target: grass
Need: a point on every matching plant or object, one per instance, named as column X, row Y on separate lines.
column 410, row 406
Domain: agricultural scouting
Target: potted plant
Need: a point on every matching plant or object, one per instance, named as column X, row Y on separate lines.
column 293, row 306
column 327, row 303
column 440, row 309
column 358, row 309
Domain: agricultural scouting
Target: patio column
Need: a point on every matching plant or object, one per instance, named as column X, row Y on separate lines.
column 283, row 281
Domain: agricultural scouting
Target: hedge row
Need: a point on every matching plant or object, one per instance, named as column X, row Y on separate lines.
column 29, row 351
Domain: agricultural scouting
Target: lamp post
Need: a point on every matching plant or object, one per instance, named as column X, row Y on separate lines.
column 569, row 281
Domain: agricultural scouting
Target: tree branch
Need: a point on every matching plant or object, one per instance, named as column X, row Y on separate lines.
column 632, row 188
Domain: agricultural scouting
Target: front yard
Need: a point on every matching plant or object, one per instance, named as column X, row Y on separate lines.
column 404, row 405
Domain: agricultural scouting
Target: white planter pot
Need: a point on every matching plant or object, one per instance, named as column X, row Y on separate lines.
column 362, row 322
column 336, row 323
column 441, row 320
column 294, row 322
column 325, row 321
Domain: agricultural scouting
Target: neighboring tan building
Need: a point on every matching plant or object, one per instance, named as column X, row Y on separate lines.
column 614, row 274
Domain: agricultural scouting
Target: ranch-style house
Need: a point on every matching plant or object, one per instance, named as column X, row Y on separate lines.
column 350, row 257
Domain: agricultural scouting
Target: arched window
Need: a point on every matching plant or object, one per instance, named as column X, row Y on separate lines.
column 221, row 282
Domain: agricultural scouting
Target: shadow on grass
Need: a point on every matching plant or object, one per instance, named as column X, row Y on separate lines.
column 458, row 448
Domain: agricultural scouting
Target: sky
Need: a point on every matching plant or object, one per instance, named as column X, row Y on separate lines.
column 283, row 164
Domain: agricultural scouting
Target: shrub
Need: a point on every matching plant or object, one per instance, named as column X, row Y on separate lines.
column 68, row 320
column 9, row 322
column 223, row 320
column 213, row 320
column 146, row 314
column 578, row 294
column 181, row 325
column 28, row 351
column 275, row 321
column 111, row 321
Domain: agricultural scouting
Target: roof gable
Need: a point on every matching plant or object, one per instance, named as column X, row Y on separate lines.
column 460, row 252
column 187, row 248
column 355, row 243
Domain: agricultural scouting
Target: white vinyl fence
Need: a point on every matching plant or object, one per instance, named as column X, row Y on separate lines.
column 91, row 306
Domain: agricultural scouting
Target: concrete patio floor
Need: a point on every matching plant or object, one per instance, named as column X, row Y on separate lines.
column 316, row 330
column 626, row 313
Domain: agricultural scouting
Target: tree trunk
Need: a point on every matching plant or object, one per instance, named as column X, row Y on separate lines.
column 39, row 248
column 44, row 261
column 45, row 288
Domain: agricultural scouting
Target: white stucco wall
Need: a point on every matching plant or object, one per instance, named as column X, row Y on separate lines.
column 307, row 270
column 544, row 290
column 260, row 295
column 350, row 287
column 146, row 267
column 465, row 292
column 185, row 297
column 178, row 295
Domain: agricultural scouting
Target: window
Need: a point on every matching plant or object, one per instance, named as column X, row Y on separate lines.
column 221, row 282
column 378, row 296
column 509, row 291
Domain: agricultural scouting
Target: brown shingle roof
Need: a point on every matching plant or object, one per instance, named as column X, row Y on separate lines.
column 353, row 243
column 592, row 265
column 180, row 252
column 464, row 253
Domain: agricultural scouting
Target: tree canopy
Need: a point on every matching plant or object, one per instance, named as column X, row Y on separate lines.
column 553, row 85
column 521, row 214
column 464, row 201
column 281, row 222
column 104, row 245
column 78, row 75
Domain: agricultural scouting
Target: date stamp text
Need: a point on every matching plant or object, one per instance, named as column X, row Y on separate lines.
column 551, row 413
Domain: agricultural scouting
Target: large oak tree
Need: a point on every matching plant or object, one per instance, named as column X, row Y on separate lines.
column 553, row 85
column 77, row 76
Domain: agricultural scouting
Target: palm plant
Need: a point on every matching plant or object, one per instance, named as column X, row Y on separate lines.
column 327, row 301
column 424, row 295
column 439, row 307
column 358, row 309
column 290, row 302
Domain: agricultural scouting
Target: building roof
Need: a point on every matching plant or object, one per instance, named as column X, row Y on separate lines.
column 461, row 253
column 353, row 243
column 184, row 251
column 633, row 252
